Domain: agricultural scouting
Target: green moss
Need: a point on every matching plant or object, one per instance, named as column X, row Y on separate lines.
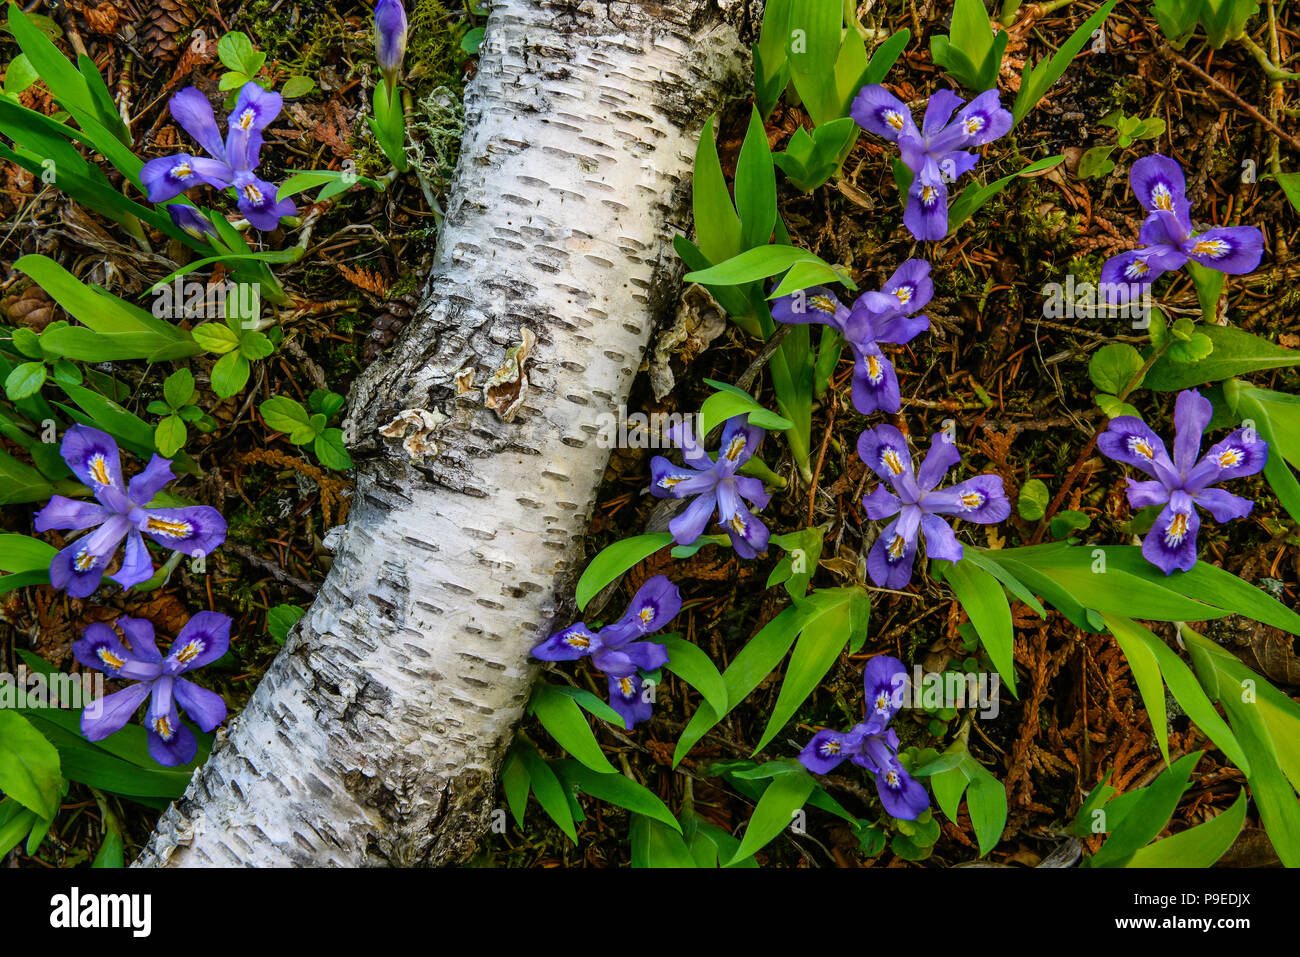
column 433, row 54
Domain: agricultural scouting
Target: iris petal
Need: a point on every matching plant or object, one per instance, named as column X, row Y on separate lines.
column 1230, row 249
column 875, row 383
column 690, row 523
column 155, row 477
column 137, row 566
column 204, row 707
column 655, row 604
column 258, row 203
column 1171, row 543
column 1223, row 505
column 749, row 536
column 942, row 456
column 70, row 514
column 981, row 499
column 739, row 442
column 940, row 540
column 884, row 451
column 1130, row 440
column 109, row 714
column 140, row 638
column 204, row 639
column 814, row 305
column 193, row 530
column 568, row 644
column 191, row 109
column 254, row 110
column 926, row 215
column 825, row 752
column 1241, row 453
column 1192, row 414
column 627, row 696
column 93, row 457
column 878, row 110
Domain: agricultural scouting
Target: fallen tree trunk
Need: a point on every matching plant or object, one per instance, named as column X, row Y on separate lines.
column 376, row 735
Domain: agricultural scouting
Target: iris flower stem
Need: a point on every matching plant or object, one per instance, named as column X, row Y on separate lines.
column 110, row 819
column 132, row 225
column 963, row 733
column 1274, row 72
column 769, row 348
column 829, row 349
column 787, row 398
column 759, row 469
column 163, row 575
column 1275, row 97
column 1138, row 376
column 851, row 18
column 821, row 457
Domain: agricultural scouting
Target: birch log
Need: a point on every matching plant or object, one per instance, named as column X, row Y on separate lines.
column 376, row 735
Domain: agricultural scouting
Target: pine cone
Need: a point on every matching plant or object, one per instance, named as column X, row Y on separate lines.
column 387, row 326
column 103, row 18
column 29, row 306
column 163, row 24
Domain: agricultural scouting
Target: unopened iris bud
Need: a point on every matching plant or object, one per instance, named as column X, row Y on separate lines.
column 191, row 220
column 390, row 39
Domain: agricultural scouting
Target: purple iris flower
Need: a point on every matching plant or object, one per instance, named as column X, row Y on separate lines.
column 1184, row 482
column 232, row 163
column 936, row 154
column 919, row 505
column 1167, row 238
column 203, row 640
column 715, row 485
column 121, row 512
column 619, row 649
column 390, row 39
column 887, row 315
column 872, row 744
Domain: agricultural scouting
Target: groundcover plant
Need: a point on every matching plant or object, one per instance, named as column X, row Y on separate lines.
column 949, row 516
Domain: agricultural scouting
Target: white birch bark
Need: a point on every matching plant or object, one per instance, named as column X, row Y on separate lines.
column 376, row 735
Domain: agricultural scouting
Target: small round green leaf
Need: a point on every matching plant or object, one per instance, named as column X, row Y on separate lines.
column 1114, row 366
column 280, row 619
column 216, row 337
column 229, row 374
column 331, row 451
column 297, row 86
column 28, row 343
column 1033, row 501
column 288, row 416
column 25, row 381
column 178, row 388
column 255, row 345
column 169, row 436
